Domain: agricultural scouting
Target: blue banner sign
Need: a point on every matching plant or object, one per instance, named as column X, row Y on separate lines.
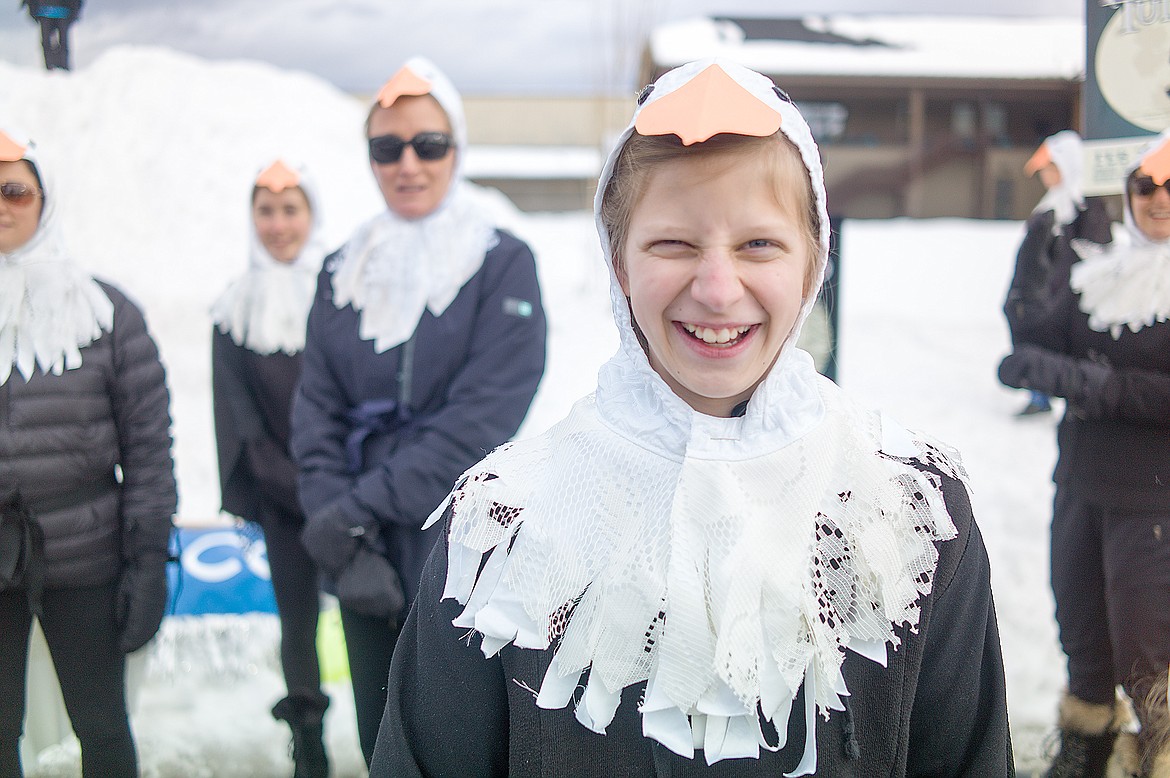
column 221, row 570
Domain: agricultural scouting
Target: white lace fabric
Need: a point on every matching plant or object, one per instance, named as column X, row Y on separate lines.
column 393, row 269
column 1125, row 285
column 723, row 583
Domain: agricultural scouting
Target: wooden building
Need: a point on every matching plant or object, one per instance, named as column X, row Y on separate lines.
column 915, row 116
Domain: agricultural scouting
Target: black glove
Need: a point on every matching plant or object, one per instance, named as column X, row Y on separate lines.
column 141, row 600
column 1082, row 382
column 332, row 536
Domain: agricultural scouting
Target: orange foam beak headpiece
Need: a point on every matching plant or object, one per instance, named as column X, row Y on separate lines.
column 10, row 150
column 278, row 177
column 1156, row 164
column 1040, row 159
column 404, row 82
column 710, row 103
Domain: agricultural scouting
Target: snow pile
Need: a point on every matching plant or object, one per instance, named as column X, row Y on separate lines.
column 156, row 154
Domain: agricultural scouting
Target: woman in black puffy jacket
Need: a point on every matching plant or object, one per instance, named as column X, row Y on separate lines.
column 86, row 476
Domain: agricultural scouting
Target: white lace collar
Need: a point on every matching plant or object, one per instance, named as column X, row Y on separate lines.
column 1123, row 285
column 393, row 269
column 691, row 573
column 265, row 310
column 49, row 307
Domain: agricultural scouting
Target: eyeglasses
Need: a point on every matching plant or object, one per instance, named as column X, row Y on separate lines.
column 428, row 146
column 1145, row 186
column 18, row 194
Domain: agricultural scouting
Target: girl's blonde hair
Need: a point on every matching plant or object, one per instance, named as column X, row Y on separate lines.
column 643, row 154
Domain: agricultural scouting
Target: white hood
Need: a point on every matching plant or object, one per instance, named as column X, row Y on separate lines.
column 49, row 308
column 265, row 310
column 1066, row 199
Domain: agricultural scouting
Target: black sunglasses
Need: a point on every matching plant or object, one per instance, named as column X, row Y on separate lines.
column 1145, row 186
column 17, row 193
column 428, row 146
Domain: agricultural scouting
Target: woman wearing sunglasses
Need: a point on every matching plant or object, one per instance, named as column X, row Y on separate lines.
column 87, row 489
column 256, row 362
column 425, row 345
column 1103, row 344
column 717, row 564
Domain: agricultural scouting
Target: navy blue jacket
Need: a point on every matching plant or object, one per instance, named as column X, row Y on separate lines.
column 473, row 375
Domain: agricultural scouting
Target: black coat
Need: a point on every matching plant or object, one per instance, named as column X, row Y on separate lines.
column 63, row 439
column 252, row 396
column 1043, row 260
column 1113, row 437
column 938, row 709
column 474, row 373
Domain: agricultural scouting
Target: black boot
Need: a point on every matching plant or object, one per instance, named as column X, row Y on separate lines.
column 1087, row 732
column 305, row 716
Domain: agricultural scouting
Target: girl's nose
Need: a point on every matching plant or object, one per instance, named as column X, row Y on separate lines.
column 716, row 285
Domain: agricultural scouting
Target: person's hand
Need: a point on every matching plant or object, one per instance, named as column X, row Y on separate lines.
column 1080, row 381
column 331, row 537
column 141, row 601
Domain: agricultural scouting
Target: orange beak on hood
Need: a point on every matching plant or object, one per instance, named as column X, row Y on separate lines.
column 710, row 103
column 1156, row 164
column 277, row 177
column 1040, row 159
column 10, row 150
column 404, row 82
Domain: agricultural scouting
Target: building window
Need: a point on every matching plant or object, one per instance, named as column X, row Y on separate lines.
column 963, row 121
column 826, row 120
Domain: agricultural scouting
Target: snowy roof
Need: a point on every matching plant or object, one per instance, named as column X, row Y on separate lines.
column 976, row 47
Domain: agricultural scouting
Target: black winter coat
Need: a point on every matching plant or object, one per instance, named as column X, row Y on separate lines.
column 252, row 396
column 938, row 709
column 1113, row 437
column 65, row 440
column 1044, row 260
column 473, row 375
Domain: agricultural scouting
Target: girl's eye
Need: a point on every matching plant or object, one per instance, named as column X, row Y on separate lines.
column 670, row 247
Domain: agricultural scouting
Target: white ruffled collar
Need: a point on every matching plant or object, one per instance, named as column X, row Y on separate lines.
column 49, row 307
column 1123, row 285
column 393, row 269
column 689, row 573
column 265, row 309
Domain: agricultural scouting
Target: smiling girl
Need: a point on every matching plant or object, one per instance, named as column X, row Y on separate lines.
column 717, row 564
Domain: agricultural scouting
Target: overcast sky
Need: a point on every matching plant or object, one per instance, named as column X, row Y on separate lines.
column 486, row 46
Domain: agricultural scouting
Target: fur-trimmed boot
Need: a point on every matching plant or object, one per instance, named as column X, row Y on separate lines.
column 306, row 718
column 1087, row 732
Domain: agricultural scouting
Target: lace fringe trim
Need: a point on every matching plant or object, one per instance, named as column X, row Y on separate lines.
column 710, row 647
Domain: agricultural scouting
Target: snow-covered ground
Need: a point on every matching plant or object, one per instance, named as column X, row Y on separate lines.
column 154, row 156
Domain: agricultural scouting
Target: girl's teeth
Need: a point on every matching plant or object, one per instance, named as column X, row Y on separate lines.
column 708, row 335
